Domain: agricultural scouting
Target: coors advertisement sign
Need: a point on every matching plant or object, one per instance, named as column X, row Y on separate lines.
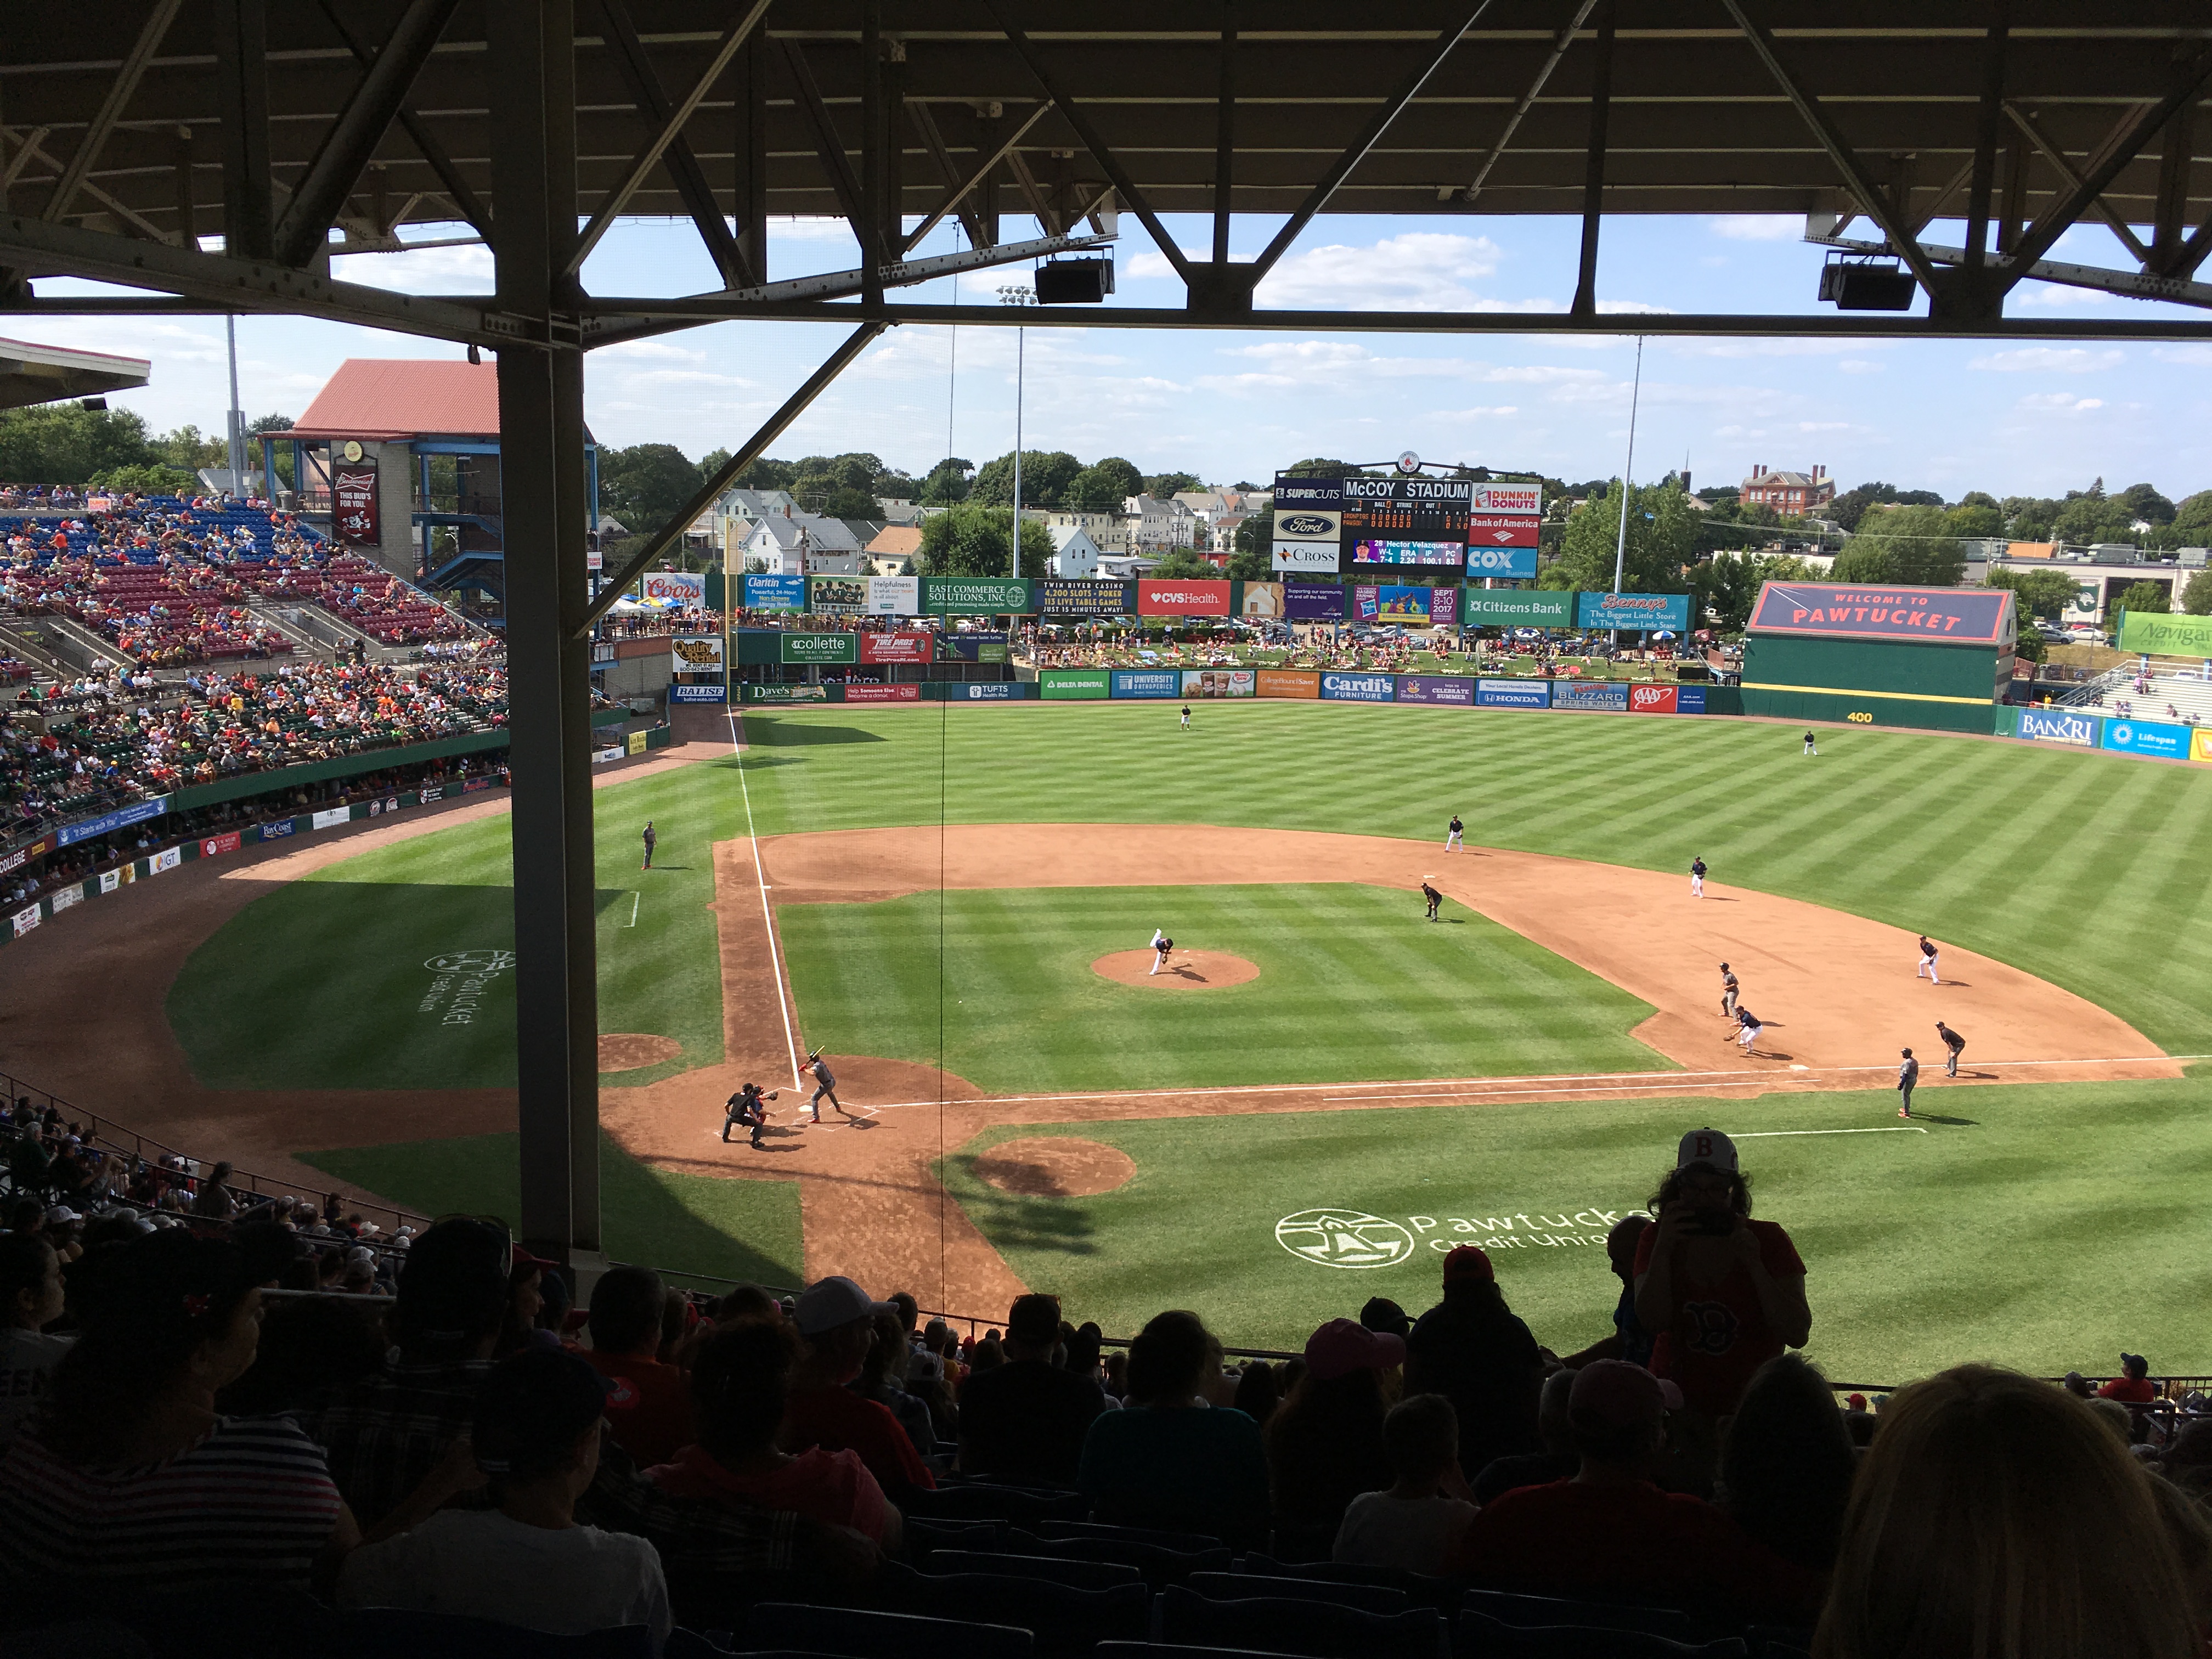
column 1308, row 520
column 353, row 503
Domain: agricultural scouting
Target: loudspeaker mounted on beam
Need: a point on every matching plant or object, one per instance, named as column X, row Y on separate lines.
column 1867, row 285
column 1074, row 282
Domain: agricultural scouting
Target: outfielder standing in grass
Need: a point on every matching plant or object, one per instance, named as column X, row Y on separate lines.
column 650, row 839
column 1697, row 878
column 1908, row 1078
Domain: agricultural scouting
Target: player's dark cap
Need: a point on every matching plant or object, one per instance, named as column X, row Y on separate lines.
column 1906, row 1053
column 2134, row 1364
column 1724, row 967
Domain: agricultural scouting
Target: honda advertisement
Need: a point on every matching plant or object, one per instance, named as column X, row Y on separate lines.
column 1514, row 694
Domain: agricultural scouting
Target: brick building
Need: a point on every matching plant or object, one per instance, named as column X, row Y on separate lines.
column 1789, row 493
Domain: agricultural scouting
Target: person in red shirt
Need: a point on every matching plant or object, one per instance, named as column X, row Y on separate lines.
column 835, row 1316
column 1610, row 1531
column 2133, row 1388
column 649, row 1412
column 1724, row 1293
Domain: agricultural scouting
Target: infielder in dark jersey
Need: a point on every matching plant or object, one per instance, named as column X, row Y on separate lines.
column 650, row 839
column 1955, row 1044
column 1434, row 897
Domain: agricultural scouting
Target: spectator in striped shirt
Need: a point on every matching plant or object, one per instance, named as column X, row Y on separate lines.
column 128, row 1477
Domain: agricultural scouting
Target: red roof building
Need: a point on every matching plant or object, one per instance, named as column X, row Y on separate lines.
column 1790, row 493
column 393, row 399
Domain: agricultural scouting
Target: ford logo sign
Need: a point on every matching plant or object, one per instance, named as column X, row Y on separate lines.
column 1305, row 524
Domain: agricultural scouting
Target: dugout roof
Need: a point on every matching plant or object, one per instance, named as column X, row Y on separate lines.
column 42, row 374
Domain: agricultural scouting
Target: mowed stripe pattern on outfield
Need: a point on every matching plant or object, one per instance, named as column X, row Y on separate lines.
column 1353, row 983
column 2094, row 871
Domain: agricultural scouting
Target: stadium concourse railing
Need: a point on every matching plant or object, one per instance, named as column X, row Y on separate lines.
column 108, row 1134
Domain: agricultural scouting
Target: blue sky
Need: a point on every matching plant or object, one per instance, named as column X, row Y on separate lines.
column 1946, row 416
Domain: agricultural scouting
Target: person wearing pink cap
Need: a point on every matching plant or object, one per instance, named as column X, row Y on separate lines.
column 1610, row 1531
column 1722, row 1293
column 1471, row 1349
column 1325, row 1441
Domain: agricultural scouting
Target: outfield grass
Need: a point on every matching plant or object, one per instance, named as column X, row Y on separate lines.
column 740, row 1230
column 2092, row 871
column 2042, row 1226
column 1352, row 983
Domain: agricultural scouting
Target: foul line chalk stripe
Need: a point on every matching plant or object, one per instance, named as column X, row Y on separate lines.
column 767, row 918
column 1777, row 1134
column 1444, row 1090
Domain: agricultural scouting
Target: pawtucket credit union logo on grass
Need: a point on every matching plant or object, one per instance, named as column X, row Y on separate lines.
column 463, row 976
column 1344, row 1238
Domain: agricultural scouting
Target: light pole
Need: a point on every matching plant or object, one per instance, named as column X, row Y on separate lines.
column 1628, row 469
column 237, row 416
column 1017, row 295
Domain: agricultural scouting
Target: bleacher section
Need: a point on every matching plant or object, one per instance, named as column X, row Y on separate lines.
column 169, row 581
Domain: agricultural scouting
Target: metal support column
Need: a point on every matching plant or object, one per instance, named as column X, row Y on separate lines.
column 531, row 70
column 1600, row 111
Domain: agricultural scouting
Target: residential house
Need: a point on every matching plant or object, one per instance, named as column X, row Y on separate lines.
column 800, row 544
column 1790, row 493
column 895, row 550
column 898, row 509
column 1156, row 525
column 1074, row 554
column 1107, row 530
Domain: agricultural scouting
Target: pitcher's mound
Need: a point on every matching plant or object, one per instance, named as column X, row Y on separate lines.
column 1187, row 970
column 1047, row 1166
column 626, row 1051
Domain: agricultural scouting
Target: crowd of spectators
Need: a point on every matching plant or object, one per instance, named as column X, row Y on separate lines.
column 169, row 583
column 474, row 1445
column 64, row 758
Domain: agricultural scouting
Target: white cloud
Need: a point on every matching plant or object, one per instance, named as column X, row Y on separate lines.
column 2056, row 297
column 2198, row 354
column 2059, row 402
column 420, row 270
column 2048, row 359
column 1756, row 227
column 822, row 229
column 1856, row 365
column 656, row 349
column 1825, row 426
column 1419, row 271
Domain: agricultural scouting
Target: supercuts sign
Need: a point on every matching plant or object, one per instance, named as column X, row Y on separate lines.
column 1957, row 615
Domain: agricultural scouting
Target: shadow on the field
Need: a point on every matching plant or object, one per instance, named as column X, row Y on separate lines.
column 776, row 735
column 1952, row 1122
column 1011, row 1221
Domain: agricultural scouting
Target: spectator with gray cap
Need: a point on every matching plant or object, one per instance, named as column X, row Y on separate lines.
column 834, row 1319
column 535, row 1432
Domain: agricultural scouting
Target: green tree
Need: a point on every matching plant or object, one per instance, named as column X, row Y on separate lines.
column 1103, row 485
column 1907, row 544
column 2035, row 592
column 1662, row 534
column 1164, row 485
column 1725, row 586
column 2194, row 515
column 190, row 449
column 971, row 540
column 2155, row 597
column 1046, row 474
column 151, row 480
column 280, row 455
column 1181, row 564
column 2143, row 502
column 67, row 443
column 2093, row 516
column 1975, row 521
column 1249, row 564
column 2197, row 595
column 647, row 484
column 1257, row 535
column 946, row 484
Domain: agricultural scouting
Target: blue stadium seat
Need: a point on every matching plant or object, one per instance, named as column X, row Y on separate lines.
column 393, row 1633
column 1066, row 1622
column 1161, row 1567
column 1242, row 1586
column 1075, row 1574
column 1478, row 1636
column 850, row 1633
column 1315, row 1629
column 1533, row 1612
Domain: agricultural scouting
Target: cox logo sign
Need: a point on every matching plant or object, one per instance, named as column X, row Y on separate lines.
column 1503, row 561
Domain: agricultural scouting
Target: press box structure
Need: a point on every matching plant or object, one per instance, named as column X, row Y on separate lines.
column 1936, row 658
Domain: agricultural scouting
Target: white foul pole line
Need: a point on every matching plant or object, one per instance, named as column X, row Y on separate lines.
column 767, row 918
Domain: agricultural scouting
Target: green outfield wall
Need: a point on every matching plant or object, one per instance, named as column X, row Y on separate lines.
column 1903, row 683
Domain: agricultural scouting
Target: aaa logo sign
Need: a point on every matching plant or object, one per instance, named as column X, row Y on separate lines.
column 1344, row 1238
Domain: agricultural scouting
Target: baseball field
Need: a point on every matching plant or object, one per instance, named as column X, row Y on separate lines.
column 1324, row 1089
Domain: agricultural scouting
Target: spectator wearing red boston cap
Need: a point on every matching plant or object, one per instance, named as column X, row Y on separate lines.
column 1610, row 1531
column 1722, row 1293
column 649, row 1414
column 1325, row 1441
column 2133, row 1387
column 1471, row 1349
column 835, row 1317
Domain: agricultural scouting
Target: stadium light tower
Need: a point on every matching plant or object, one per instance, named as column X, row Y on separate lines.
column 1019, row 294
column 237, row 417
column 1628, row 470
